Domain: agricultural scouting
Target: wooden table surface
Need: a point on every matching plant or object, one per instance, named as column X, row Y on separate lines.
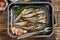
column 56, row 36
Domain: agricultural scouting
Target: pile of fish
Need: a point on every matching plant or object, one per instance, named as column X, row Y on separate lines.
column 29, row 20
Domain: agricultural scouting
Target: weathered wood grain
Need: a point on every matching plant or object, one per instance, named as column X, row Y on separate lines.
column 56, row 4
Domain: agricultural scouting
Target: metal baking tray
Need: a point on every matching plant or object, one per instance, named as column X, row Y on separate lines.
column 49, row 13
